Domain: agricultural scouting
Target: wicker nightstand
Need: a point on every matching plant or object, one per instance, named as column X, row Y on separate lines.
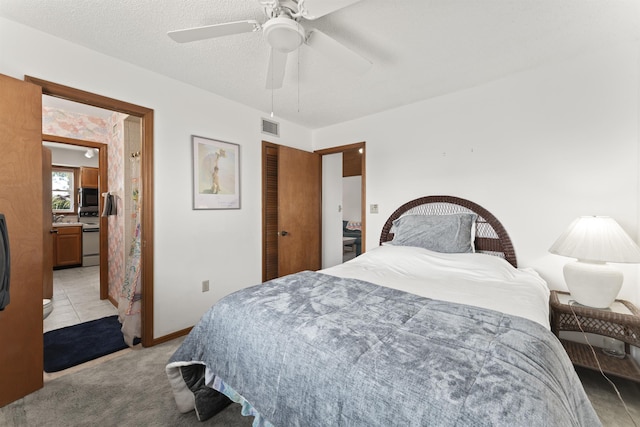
column 621, row 321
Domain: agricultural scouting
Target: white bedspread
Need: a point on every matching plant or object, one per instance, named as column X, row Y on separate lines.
column 475, row 279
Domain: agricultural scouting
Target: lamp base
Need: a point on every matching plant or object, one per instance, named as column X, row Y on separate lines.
column 594, row 284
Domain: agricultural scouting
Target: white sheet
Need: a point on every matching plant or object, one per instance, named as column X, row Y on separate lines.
column 474, row 279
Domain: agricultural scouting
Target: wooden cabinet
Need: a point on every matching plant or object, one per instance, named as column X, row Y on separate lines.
column 89, row 177
column 67, row 246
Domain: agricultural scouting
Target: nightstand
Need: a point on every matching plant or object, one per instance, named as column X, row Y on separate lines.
column 621, row 321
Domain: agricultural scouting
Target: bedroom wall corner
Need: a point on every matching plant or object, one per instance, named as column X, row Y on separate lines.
column 223, row 246
column 536, row 148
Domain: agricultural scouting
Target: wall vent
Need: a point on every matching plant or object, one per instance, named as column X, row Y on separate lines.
column 270, row 128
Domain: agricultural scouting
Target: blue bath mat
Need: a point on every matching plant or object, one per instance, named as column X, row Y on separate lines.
column 73, row 345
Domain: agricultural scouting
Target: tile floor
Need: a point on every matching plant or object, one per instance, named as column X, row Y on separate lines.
column 76, row 298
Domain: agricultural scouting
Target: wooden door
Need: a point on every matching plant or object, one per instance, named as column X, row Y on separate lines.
column 21, row 201
column 47, row 247
column 299, row 210
column 270, row 230
column 292, row 194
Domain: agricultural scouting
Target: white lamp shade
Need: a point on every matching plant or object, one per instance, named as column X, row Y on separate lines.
column 594, row 241
column 596, row 238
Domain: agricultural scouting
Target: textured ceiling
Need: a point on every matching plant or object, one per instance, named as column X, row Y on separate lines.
column 419, row 48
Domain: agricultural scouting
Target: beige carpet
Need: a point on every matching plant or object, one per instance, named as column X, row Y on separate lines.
column 606, row 402
column 131, row 389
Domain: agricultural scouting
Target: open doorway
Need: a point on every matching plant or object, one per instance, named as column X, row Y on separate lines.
column 351, row 217
column 73, row 291
column 146, row 188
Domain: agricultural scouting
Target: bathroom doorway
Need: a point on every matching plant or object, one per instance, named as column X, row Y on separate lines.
column 74, row 291
column 146, row 174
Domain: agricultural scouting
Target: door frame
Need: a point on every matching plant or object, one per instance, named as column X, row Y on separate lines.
column 146, row 166
column 103, row 167
column 363, row 189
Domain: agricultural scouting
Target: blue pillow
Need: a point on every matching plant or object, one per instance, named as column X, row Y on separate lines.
column 453, row 233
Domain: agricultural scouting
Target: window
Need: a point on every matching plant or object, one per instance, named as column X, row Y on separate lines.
column 63, row 189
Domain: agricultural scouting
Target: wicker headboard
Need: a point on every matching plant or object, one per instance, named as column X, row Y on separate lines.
column 491, row 237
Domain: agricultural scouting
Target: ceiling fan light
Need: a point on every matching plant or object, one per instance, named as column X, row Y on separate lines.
column 283, row 34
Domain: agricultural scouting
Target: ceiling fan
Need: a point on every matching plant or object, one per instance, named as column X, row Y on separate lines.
column 284, row 33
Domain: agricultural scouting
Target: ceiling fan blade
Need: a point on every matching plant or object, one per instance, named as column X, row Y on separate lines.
column 277, row 64
column 337, row 52
column 314, row 9
column 212, row 31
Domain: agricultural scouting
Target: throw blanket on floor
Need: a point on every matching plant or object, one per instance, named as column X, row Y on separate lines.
column 316, row 350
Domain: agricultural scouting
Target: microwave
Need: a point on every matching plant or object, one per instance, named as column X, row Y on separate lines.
column 87, row 197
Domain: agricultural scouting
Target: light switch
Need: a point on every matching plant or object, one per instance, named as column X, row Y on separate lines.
column 373, row 209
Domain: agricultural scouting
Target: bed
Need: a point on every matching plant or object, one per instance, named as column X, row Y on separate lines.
column 435, row 327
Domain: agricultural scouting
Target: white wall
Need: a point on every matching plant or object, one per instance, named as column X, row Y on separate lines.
column 537, row 149
column 190, row 246
column 332, row 208
column 73, row 158
column 352, row 198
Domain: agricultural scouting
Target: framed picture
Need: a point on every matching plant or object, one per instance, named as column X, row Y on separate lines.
column 216, row 174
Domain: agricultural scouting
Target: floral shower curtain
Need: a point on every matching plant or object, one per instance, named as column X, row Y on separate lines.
column 129, row 303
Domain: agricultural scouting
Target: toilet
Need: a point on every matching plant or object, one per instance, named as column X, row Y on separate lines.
column 47, row 308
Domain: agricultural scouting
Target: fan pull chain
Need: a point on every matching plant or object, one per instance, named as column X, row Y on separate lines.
column 272, row 84
column 298, row 72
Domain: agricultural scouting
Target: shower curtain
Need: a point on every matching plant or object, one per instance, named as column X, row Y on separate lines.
column 129, row 303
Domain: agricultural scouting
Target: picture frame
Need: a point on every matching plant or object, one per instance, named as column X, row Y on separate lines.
column 216, row 174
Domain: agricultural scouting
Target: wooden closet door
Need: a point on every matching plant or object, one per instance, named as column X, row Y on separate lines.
column 292, row 191
column 270, row 228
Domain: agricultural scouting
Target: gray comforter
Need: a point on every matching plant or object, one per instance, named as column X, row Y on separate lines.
column 315, row 350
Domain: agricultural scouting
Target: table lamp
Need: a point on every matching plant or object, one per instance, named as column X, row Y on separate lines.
column 595, row 241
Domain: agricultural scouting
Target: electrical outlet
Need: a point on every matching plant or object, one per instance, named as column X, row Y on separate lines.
column 373, row 209
column 205, row 286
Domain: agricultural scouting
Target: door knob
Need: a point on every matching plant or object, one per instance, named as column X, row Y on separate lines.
column 282, row 233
